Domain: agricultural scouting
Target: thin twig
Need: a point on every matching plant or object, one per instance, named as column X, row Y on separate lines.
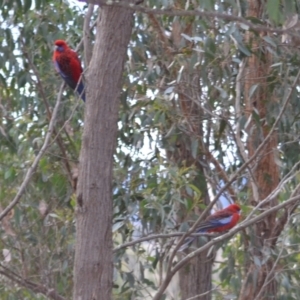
column 34, row 165
column 159, row 236
column 203, row 294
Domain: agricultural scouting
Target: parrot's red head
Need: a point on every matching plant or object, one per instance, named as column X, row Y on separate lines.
column 235, row 208
column 60, row 45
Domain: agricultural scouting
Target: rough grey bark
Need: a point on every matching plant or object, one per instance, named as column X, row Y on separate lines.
column 93, row 269
column 195, row 278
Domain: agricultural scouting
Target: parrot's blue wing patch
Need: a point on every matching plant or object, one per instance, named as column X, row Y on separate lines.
column 69, row 81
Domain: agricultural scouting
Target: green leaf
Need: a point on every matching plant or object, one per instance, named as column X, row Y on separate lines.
column 244, row 49
column 252, row 90
column 207, row 4
column 195, row 189
column 10, row 173
column 273, row 9
column 270, row 41
column 257, row 261
column 195, row 147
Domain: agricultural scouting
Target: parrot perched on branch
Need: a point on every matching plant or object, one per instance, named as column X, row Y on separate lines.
column 219, row 221
column 67, row 64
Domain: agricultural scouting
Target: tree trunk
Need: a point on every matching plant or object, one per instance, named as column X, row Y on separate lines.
column 93, row 270
column 264, row 171
column 195, row 277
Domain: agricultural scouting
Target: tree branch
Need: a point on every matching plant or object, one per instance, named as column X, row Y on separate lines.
column 34, row 165
column 240, row 145
column 48, row 292
column 185, row 13
column 170, row 273
column 251, row 159
column 159, row 236
column 246, row 223
column 41, row 90
column 87, row 35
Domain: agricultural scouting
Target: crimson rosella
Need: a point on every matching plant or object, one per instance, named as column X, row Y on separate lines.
column 220, row 221
column 68, row 65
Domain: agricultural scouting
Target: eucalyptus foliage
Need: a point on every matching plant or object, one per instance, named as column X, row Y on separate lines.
column 152, row 180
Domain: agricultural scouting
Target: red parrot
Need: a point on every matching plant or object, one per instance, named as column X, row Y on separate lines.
column 220, row 221
column 67, row 64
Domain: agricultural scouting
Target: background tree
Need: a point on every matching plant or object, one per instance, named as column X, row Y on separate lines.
column 208, row 114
